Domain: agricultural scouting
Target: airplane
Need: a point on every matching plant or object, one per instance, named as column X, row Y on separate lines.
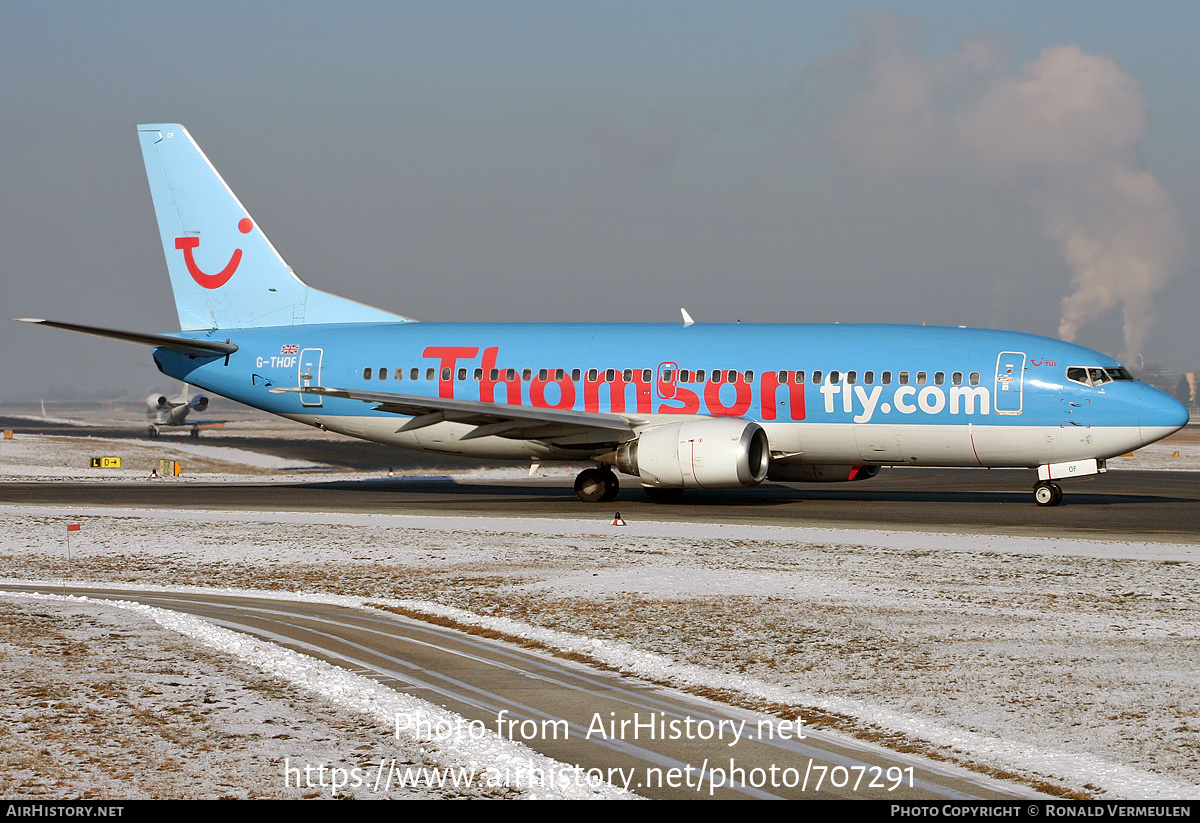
column 164, row 412
column 678, row 406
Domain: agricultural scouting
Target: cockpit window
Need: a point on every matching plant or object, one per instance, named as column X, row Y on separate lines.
column 1092, row 376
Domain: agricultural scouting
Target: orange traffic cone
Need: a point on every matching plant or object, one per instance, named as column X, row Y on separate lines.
column 617, row 521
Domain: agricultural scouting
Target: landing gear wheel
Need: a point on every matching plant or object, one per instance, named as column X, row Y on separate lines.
column 612, row 486
column 151, row 433
column 195, row 432
column 662, row 495
column 1047, row 494
column 596, row 486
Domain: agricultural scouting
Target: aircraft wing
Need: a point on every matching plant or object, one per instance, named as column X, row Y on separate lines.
column 492, row 419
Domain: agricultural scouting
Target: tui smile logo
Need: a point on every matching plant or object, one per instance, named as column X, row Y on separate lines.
column 212, row 281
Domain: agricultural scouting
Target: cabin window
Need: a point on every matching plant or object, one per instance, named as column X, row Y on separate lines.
column 510, row 374
column 478, row 375
column 974, row 378
column 921, row 378
column 783, row 377
column 886, row 378
column 527, row 375
column 610, row 375
column 575, row 375
column 543, row 375
column 667, row 375
column 816, row 376
column 851, row 378
column 445, row 373
column 685, row 376
column 903, row 378
column 731, row 376
column 367, row 373
column 494, row 375
column 430, row 373
column 647, row 375
column 627, row 375
column 559, row 375
column 749, row 375
column 956, row 378
column 835, row 377
column 383, row 372
column 592, row 375
column 868, row 377
column 700, row 375
column 399, row 375
column 939, row 378
column 799, row 377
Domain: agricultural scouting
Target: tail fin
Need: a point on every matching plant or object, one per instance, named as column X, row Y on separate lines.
column 224, row 271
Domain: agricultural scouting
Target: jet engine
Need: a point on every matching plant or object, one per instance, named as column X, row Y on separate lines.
column 155, row 402
column 199, row 402
column 713, row 453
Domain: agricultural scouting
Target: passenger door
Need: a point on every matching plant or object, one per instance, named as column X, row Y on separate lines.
column 1010, row 382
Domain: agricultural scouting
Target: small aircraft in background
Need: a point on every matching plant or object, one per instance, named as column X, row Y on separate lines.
column 171, row 412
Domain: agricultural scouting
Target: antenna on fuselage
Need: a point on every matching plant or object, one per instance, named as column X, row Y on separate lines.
column 687, row 318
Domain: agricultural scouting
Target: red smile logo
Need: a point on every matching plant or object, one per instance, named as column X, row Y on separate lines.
column 212, row 281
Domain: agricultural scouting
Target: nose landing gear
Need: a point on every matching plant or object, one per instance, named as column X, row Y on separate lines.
column 1046, row 493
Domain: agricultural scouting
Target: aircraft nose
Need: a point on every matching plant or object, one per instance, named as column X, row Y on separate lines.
column 1159, row 415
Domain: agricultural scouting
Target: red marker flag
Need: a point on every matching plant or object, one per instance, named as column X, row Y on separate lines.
column 72, row 527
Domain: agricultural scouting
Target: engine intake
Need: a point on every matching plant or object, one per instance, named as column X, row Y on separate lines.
column 720, row 453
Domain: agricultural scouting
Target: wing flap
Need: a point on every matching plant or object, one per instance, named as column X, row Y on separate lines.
column 489, row 419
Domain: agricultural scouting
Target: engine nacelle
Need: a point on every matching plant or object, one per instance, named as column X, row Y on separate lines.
column 717, row 453
column 816, row 473
column 157, row 401
column 199, row 402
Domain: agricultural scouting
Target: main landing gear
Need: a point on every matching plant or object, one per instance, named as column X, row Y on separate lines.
column 1047, row 493
column 597, row 485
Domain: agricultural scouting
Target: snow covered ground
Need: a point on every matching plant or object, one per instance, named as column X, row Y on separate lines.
column 102, row 703
column 1067, row 662
column 133, row 710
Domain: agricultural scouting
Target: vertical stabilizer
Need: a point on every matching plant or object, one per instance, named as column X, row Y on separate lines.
column 224, row 271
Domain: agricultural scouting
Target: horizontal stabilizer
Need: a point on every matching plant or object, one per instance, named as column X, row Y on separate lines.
column 161, row 341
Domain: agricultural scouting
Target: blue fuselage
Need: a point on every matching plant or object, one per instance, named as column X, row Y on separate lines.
column 859, row 388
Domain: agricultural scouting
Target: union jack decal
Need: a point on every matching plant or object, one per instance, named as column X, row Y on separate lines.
column 289, row 349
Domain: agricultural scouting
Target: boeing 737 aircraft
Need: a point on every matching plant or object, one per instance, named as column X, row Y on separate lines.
column 681, row 406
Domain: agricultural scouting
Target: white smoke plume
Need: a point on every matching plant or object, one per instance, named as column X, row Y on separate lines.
column 1061, row 129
